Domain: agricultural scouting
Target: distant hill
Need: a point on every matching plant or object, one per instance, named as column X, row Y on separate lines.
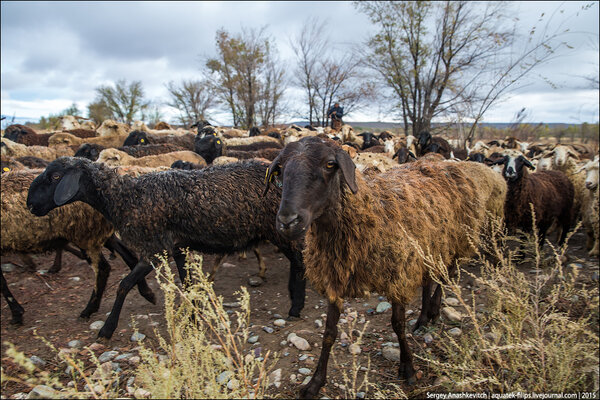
column 392, row 125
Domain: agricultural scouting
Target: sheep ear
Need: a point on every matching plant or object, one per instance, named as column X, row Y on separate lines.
column 67, row 188
column 527, row 163
column 410, row 153
column 269, row 174
column 500, row 161
column 348, row 169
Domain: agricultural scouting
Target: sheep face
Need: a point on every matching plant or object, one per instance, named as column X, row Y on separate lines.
column 135, row 138
column 424, row 139
column 369, row 140
column 404, row 155
column 311, row 172
column 59, row 184
column 513, row 167
column 89, row 151
column 61, row 139
column 209, row 147
column 560, row 154
column 112, row 157
column 591, row 177
column 476, row 157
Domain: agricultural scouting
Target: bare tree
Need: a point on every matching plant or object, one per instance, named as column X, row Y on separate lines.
column 309, row 45
column 465, row 59
column 124, row 100
column 270, row 104
column 192, row 98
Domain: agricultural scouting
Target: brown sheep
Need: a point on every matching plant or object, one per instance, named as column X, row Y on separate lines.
column 116, row 157
column 368, row 235
column 62, row 138
column 12, row 149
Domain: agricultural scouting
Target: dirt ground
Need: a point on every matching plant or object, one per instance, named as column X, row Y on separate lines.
column 53, row 302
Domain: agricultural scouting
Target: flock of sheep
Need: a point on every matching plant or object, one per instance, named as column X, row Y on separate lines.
column 353, row 213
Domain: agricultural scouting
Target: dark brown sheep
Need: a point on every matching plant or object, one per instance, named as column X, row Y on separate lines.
column 550, row 192
column 217, row 210
column 367, row 236
column 186, row 141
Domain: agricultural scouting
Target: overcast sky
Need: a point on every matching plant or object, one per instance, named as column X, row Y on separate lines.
column 57, row 53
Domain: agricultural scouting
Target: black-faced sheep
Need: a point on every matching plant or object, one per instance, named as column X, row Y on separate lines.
column 79, row 224
column 550, row 192
column 183, row 205
column 364, row 236
column 185, row 141
column 254, row 131
column 426, row 145
column 369, row 140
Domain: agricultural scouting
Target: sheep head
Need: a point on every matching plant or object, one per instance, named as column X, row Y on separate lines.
column 60, row 139
column 112, row 157
column 513, row 167
column 313, row 173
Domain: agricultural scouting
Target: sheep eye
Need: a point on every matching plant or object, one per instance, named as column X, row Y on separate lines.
column 56, row 176
column 330, row 164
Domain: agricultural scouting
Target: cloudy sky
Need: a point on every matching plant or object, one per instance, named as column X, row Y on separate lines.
column 57, row 53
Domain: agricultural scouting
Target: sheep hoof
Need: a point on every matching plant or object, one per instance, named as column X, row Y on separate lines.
column 293, row 318
column 54, row 270
column 17, row 321
column 102, row 340
column 310, row 391
column 150, row 296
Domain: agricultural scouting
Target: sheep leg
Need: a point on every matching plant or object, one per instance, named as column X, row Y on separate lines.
column 218, row 260
column 318, row 379
column 296, row 283
column 425, row 304
column 102, row 273
column 406, row 369
column 57, row 265
column 77, row 253
column 261, row 264
column 139, row 272
column 16, row 309
column 114, row 245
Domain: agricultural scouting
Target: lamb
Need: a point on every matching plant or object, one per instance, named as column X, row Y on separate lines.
column 116, row 157
column 15, row 150
column 79, row 224
column 550, row 192
column 589, row 206
column 186, row 141
column 404, row 155
column 61, row 138
column 362, row 236
column 426, row 140
column 217, row 210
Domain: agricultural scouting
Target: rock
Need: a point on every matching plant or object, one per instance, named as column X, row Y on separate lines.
column 318, row 323
column 134, row 360
column 75, row 278
column 103, row 371
column 451, row 314
column 290, row 336
column 491, row 336
column 74, row 344
column 227, row 265
column 19, row 396
column 96, row 325
column 409, row 312
column 37, row 361
column 595, row 276
column 224, row 377
column 575, row 265
column 248, row 358
column 137, row 337
column 455, row 332
column 253, row 339
column 257, row 351
column 344, row 337
column 304, row 371
column 428, row 338
column 8, row 267
column 268, row 329
column 306, row 380
column 300, row 343
column 107, row 356
column 141, row 393
column 123, row 357
column 275, row 378
column 391, row 353
column 280, row 323
column 574, row 298
column 360, row 395
column 96, row 346
column 412, row 322
column 293, row 377
column 383, row 307
column 451, row 301
column 233, row 384
column 255, row 281
column 43, row 392
column 342, row 321
column 69, row 370
column 234, row 304
column 354, row 349
column 283, row 343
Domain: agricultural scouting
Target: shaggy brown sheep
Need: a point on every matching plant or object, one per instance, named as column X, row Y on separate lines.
column 368, row 235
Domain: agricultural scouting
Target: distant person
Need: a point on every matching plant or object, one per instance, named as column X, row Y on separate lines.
column 336, row 113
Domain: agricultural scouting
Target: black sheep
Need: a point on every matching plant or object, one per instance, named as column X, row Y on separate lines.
column 183, row 205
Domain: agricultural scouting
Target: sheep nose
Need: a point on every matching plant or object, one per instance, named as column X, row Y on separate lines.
column 287, row 221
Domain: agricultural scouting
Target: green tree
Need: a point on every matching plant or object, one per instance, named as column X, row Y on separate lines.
column 98, row 112
column 125, row 100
